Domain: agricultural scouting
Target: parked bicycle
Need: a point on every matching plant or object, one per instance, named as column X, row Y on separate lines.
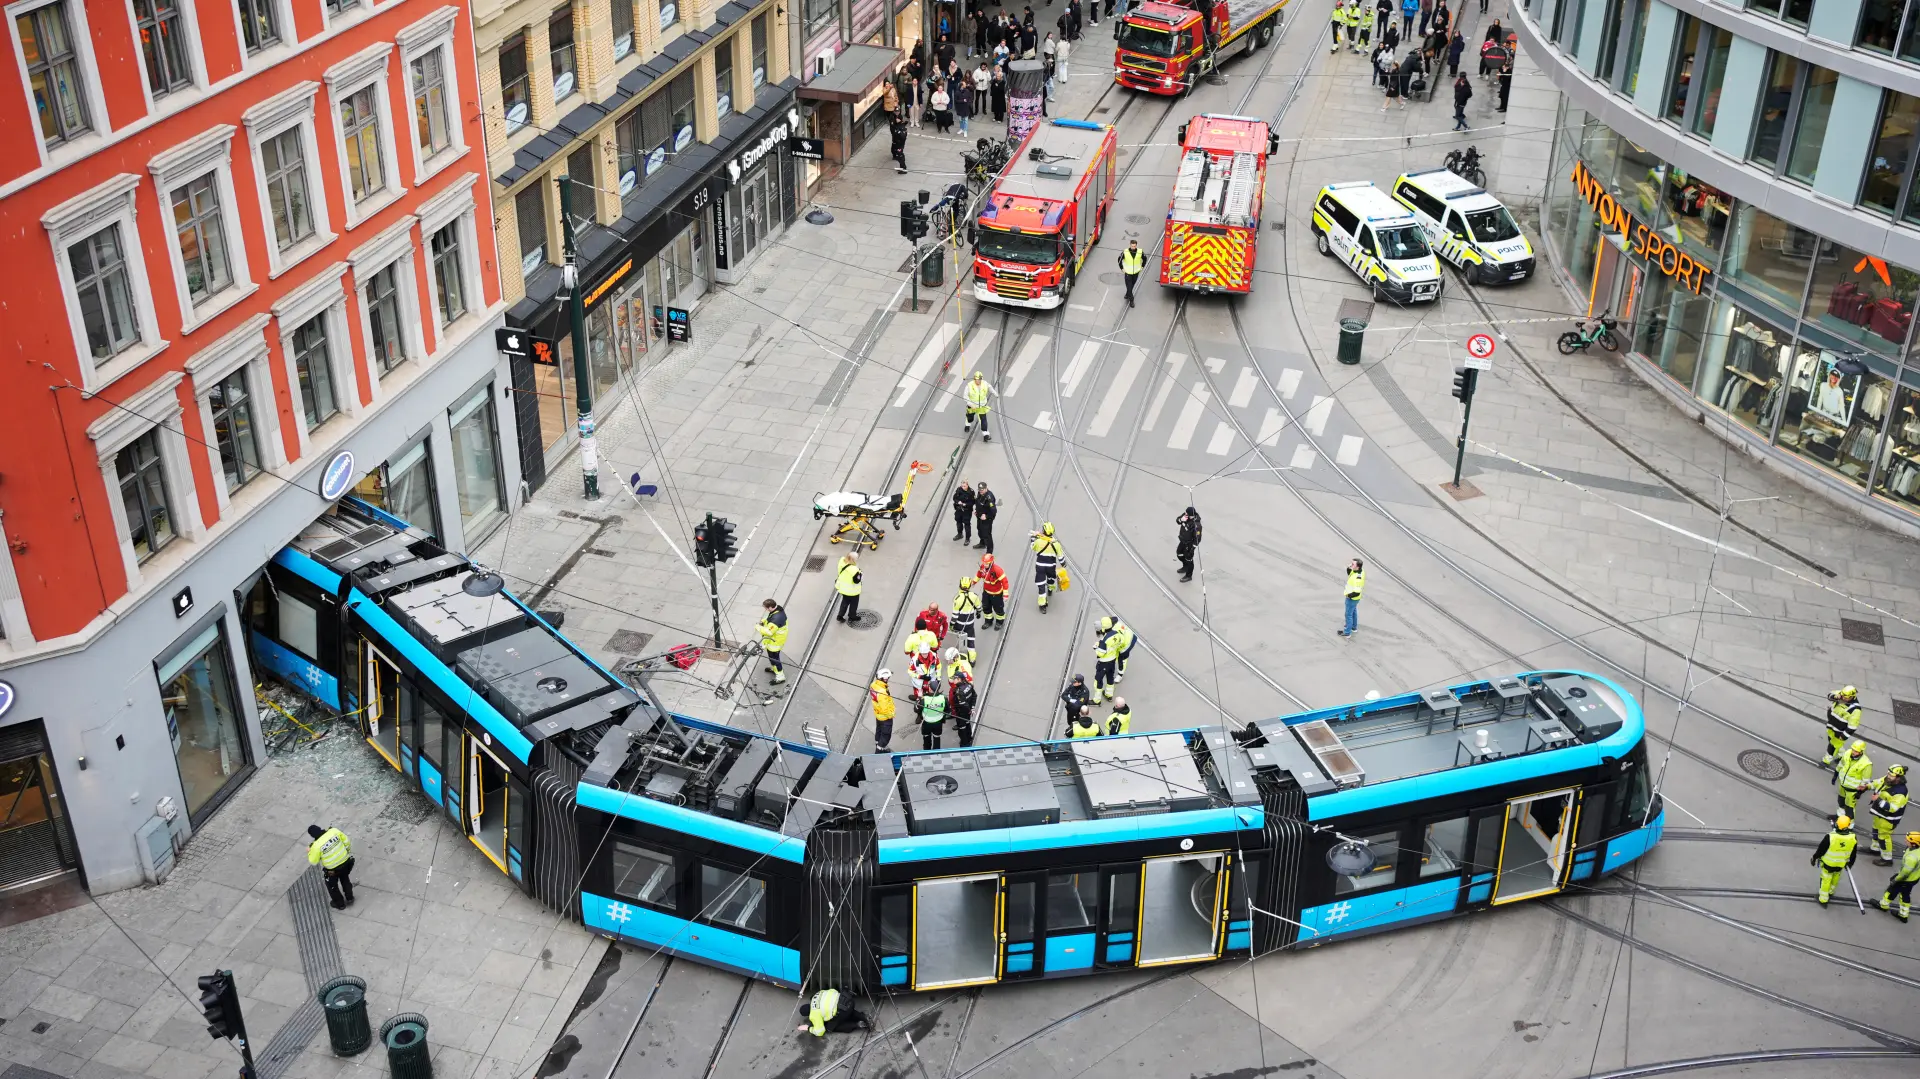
column 1466, row 165
column 1586, row 331
column 986, row 160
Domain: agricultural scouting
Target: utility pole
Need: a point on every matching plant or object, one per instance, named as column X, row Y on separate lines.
column 582, row 369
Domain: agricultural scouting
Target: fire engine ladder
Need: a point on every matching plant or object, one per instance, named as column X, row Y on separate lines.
column 1238, row 203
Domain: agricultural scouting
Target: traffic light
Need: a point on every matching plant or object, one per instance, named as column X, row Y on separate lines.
column 720, row 538
column 220, row 1004
column 702, row 545
column 913, row 220
column 1465, row 379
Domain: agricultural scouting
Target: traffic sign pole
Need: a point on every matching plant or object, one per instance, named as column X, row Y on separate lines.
column 1479, row 358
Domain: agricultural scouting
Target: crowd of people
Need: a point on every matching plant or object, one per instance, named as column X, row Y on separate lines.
column 1432, row 37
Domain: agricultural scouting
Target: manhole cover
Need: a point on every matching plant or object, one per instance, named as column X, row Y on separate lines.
column 1112, row 277
column 1761, row 764
column 1906, row 713
column 865, row 620
column 630, row 642
column 1860, row 632
column 815, row 563
column 1138, row 219
column 1279, row 226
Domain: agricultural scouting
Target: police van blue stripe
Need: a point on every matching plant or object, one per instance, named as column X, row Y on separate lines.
column 638, row 807
column 1217, row 825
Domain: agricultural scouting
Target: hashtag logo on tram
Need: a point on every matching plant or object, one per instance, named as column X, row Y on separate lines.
column 619, row 913
column 1338, row 912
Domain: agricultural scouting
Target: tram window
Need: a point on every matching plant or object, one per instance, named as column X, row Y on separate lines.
column 1486, row 839
column 1123, row 902
column 645, row 875
column 1445, row 848
column 896, row 923
column 299, row 625
column 1593, row 815
column 1386, row 857
column 433, row 724
column 1072, row 900
column 1638, row 796
column 1020, row 909
column 731, row 898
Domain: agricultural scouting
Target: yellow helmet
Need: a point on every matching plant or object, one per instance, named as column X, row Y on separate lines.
column 1046, row 529
column 966, row 584
column 1849, row 691
column 1858, row 747
column 977, row 376
column 1843, row 822
column 1913, row 839
column 1897, row 770
column 1106, row 623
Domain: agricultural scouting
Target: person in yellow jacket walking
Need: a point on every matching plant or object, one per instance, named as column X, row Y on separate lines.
column 977, row 407
column 333, row 853
column 1843, row 721
column 966, row 617
column 1889, row 804
column 1046, row 563
column 1356, row 580
column 1835, row 855
column 1900, row 885
column 1106, row 657
column 773, row 638
column 1854, row 774
column 881, row 694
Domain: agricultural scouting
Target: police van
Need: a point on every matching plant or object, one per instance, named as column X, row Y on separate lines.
column 1466, row 226
column 1378, row 239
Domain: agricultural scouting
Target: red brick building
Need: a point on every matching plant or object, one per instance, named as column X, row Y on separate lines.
column 249, row 262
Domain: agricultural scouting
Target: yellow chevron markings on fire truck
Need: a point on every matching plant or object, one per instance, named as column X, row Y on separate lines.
column 1206, row 259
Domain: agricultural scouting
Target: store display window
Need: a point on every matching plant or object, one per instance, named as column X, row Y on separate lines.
column 1746, row 363
column 1672, row 328
column 203, row 717
column 1770, row 255
column 1832, row 411
column 1695, row 216
column 1862, row 298
column 1898, row 476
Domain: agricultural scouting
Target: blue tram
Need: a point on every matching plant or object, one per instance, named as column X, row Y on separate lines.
column 933, row 870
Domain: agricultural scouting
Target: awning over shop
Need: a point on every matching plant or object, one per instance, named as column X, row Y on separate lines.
column 856, row 70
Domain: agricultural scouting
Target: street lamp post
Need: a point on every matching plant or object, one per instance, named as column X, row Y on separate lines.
column 582, row 369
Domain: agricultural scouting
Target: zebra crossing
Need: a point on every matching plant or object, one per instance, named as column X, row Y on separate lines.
column 1183, row 414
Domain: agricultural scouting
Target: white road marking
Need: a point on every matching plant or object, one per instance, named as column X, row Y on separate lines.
column 969, row 363
column 1317, row 415
column 1222, row 439
column 1303, row 458
column 1117, row 392
column 1083, row 307
column 1289, row 383
column 1349, row 450
column 1174, row 362
column 923, row 363
column 1189, row 417
column 1024, row 363
column 1077, row 369
column 1242, row 389
column 1043, row 422
column 1271, row 427
column 1216, row 364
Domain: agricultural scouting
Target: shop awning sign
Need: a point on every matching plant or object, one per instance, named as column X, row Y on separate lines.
column 807, row 149
column 1641, row 239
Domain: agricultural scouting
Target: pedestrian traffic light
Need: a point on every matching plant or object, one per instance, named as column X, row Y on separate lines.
column 702, row 545
column 720, row 539
column 220, row 1004
column 908, row 212
column 1465, row 380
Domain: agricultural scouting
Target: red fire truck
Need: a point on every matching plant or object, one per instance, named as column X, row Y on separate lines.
column 1213, row 223
column 1043, row 214
column 1162, row 46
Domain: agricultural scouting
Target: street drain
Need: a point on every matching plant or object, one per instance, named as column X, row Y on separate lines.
column 1761, row 764
column 865, row 620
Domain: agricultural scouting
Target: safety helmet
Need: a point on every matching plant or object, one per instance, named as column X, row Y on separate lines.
column 1897, row 770
column 986, row 559
column 977, row 376
column 952, row 652
column 1106, row 623
column 1046, row 529
column 1913, row 839
column 1857, row 748
column 1843, row 822
column 883, row 674
column 966, row 584
column 1849, row 691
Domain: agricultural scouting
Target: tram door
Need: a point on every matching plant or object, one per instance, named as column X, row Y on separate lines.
column 380, row 686
column 1019, row 928
column 1533, row 849
column 487, row 801
column 1180, row 903
column 957, row 930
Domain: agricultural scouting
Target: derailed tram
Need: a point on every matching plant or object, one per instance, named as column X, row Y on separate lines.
column 932, row 870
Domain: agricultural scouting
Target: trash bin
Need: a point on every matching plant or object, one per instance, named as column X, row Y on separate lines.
column 933, row 267
column 405, row 1036
column 344, row 1000
column 1352, row 332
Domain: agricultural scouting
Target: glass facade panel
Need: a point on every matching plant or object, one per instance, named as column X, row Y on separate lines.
column 1770, row 255
column 1693, row 36
column 1673, row 328
column 1879, row 25
column 1629, row 79
column 1810, row 128
column 1776, row 99
column 1910, row 40
column 1707, row 108
column 1695, row 216
column 1797, row 11
column 476, row 461
column 1862, row 298
column 1892, row 153
column 1747, row 367
column 1833, row 411
column 1899, row 464
column 196, row 689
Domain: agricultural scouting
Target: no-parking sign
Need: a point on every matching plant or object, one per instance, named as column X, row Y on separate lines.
column 1480, row 352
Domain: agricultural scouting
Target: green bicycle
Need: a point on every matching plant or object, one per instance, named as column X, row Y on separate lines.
column 1587, row 331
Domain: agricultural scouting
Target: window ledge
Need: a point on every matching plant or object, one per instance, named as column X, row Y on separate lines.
column 269, row 56
column 454, row 334
column 110, row 372
column 178, row 101
column 72, row 150
column 439, row 163
column 358, row 213
column 216, row 306
column 293, row 256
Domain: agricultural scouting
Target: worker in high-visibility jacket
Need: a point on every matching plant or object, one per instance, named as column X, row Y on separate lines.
column 923, row 656
column 1046, row 563
column 966, row 616
column 1121, row 718
column 1083, row 725
column 1900, row 885
column 1835, row 855
column 773, row 638
column 958, row 666
column 933, row 716
column 846, row 582
column 333, row 853
column 1106, row 657
column 825, row 1013
column 994, row 587
column 1843, row 720
column 1123, row 634
column 1888, row 804
column 977, row 407
column 881, row 694
column 1854, row 771
column 1356, row 580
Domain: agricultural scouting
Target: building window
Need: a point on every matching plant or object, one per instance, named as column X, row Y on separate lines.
column 313, row 368
column 202, row 238
column 337, row 8
column 430, row 103
column 1892, row 153
column 530, row 212
column 233, row 430
column 1706, row 103
column 1692, row 35
column 163, row 43
column 1798, row 12
column 513, row 82
column 143, row 490
column 360, row 127
column 259, row 25
column 669, row 14
column 1635, row 35
column 383, row 317
column 580, row 169
column 759, row 52
column 651, row 134
column 1862, row 298
column 476, row 461
column 404, row 487
column 1810, row 123
column 622, row 29
column 107, row 308
column 203, row 721
column 820, row 13
column 723, row 78
column 53, row 73
column 1776, row 105
column 285, row 164
column 560, row 52
column 1879, row 25
column 1770, row 256
column 1910, row 35
column 1769, row 7
column 448, row 280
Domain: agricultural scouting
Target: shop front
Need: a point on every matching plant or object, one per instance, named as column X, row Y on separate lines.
column 1798, row 342
column 753, row 198
column 845, row 102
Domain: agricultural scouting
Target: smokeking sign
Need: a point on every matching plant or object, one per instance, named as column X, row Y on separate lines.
column 774, row 138
column 1641, row 239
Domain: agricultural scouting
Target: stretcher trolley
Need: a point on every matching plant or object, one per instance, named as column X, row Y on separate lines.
column 859, row 510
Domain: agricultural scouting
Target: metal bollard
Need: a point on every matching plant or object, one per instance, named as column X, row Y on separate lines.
column 405, row 1036
column 344, row 1001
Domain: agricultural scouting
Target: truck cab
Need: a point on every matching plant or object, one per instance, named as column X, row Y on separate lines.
column 1161, row 46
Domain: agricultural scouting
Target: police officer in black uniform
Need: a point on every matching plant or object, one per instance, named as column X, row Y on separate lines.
column 1189, row 523
column 985, row 508
column 963, row 513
